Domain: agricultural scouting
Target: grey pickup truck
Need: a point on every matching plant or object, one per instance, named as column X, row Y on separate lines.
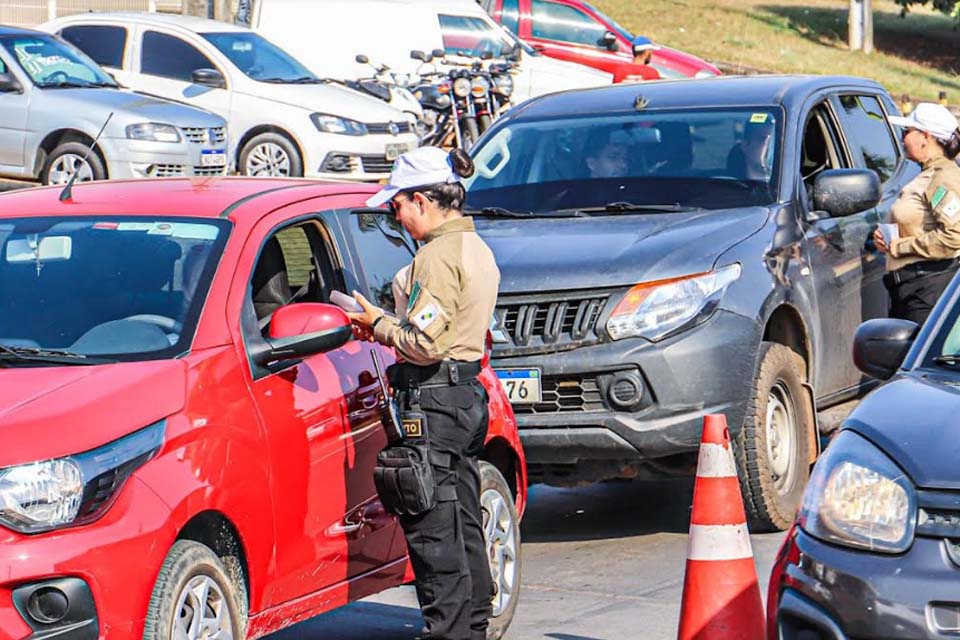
column 671, row 249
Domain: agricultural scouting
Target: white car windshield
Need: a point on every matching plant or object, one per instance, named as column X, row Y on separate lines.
column 260, row 59
column 127, row 288
column 50, row 62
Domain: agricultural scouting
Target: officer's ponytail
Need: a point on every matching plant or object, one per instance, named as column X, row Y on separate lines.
column 951, row 147
column 462, row 163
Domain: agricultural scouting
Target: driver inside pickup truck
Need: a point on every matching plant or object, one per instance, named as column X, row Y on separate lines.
column 607, row 153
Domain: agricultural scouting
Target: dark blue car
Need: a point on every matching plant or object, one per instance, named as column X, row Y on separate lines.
column 670, row 249
column 875, row 551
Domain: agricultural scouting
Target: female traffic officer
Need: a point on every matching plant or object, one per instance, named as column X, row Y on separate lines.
column 922, row 256
column 452, row 292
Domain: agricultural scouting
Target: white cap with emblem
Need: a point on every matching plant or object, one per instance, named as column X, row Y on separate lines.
column 422, row 167
column 933, row 118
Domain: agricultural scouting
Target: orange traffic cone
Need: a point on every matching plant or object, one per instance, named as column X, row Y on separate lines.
column 721, row 597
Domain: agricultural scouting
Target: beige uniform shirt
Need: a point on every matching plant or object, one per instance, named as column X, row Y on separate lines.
column 927, row 214
column 451, row 296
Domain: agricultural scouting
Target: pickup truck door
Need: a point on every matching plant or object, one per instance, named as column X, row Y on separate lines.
column 13, row 123
column 838, row 255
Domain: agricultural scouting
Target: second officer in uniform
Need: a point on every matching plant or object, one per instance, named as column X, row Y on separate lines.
column 451, row 298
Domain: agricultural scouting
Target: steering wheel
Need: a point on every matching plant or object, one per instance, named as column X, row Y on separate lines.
column 164, row 322
column 57, row 77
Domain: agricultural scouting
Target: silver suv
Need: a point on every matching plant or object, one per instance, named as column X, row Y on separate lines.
column 54, row 100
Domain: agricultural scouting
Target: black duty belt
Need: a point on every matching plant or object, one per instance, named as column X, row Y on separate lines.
column 917, row 270
column 442, row 374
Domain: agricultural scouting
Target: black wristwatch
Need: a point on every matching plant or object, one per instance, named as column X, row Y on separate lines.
column 373, row 325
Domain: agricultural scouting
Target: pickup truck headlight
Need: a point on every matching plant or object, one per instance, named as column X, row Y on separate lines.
column 654, row 310
column 859, row 498
column 153, row 131
column 335, row 124
column 52, row 494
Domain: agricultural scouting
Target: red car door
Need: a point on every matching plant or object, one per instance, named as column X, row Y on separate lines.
column 320, row 418
column 565, row 31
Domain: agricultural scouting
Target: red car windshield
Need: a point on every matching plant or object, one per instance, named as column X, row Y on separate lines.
column 123, row 287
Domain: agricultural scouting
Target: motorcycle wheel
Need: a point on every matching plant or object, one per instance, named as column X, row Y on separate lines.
column 469, row 132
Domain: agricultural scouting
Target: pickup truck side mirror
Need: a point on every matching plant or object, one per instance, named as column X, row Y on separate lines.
column 208, row 78
column 844, row 192
column 880, row 345
column 303, row 329
column 9, row 84
column 608, row 41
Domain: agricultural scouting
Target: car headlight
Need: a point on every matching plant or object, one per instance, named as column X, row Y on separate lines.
column 48, row 495
column 654, row 310
column 504, row 84
column 858, row 497
column 335, row 124
column 479, row 86
column 154, row 132
column 461, row 87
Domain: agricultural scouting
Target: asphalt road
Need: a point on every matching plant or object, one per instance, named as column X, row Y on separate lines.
column 602, row 562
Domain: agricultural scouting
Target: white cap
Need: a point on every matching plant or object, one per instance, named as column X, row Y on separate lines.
column 933, row 118
column 422, row 167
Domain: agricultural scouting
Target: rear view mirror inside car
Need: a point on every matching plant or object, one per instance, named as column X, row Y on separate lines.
column 33, row 249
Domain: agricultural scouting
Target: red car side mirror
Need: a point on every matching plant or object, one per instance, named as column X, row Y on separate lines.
column 304, row 329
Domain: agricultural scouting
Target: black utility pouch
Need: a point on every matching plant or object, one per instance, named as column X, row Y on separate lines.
column 404, row 480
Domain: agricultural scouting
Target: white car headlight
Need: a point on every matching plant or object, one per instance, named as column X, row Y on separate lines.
column 335, row 124
column 859, row 498
column 48, row 495
column 654, row 310
column 154, row 132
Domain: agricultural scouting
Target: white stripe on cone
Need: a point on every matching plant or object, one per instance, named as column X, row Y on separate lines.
column 715, row 461
column 718, row 542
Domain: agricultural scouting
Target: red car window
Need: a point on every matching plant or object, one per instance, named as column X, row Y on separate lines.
column 562, row 23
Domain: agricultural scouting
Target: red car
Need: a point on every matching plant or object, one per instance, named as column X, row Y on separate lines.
column 188, row 429
column 577, row 31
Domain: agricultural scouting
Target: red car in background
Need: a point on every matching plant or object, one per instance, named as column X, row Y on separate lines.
column 187, row 428
column 577, row 31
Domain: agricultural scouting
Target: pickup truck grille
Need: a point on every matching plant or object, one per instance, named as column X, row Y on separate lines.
column 565, row 394
column 552, row 322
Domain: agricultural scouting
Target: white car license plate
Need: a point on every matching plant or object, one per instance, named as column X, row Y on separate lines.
column 521, row 385
column 213, row 158
column 395, row 149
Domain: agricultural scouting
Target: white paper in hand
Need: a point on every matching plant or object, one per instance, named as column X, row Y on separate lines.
column 890, row 232
column 345, row 302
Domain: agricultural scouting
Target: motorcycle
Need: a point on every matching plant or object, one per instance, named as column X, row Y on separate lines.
column 387, row 86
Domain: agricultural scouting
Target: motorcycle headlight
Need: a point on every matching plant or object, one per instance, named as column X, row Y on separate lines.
column 48, row 495
column 654, row 310
column 153, row 131
column 461, row 87
column 504, row 84
column 479, row 86
column 859, row 498
column 335, row 124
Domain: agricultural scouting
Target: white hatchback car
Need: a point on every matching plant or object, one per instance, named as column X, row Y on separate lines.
column 283, row 120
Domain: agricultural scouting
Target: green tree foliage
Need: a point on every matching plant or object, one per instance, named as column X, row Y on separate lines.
column 948, row 7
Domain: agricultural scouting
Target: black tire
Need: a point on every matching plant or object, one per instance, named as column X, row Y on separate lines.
column 774, row 463
column 505, row 572
column 67, row 156
column 270, row 154
column 468, row 132
column 190, row 561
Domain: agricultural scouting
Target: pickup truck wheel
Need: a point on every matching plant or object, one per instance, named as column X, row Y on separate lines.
column 773, row 448
column 194, row 598
column 501, row 529
column 69, row 157
column 270, row 155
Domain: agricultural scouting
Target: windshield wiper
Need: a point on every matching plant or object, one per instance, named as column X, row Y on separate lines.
column 500, row 212
column 620, row 207
column 78, row 85
column 52, row 356
column 950, row 359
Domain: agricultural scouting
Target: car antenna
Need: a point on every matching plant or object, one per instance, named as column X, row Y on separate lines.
column 67, row 193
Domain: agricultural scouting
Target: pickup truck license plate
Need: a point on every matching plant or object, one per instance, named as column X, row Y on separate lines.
column 213, row 158
column 521, row 385
column 395, row 149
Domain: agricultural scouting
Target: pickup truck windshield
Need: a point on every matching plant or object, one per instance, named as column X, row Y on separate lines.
column 706, row 159
column 260, row 59
column 53, row 63
column 124, row 288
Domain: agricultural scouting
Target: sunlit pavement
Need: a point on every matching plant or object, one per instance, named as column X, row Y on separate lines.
column 602, row 562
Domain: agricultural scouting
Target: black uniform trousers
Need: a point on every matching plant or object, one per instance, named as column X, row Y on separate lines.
column 446, row 544
column 915, row 288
